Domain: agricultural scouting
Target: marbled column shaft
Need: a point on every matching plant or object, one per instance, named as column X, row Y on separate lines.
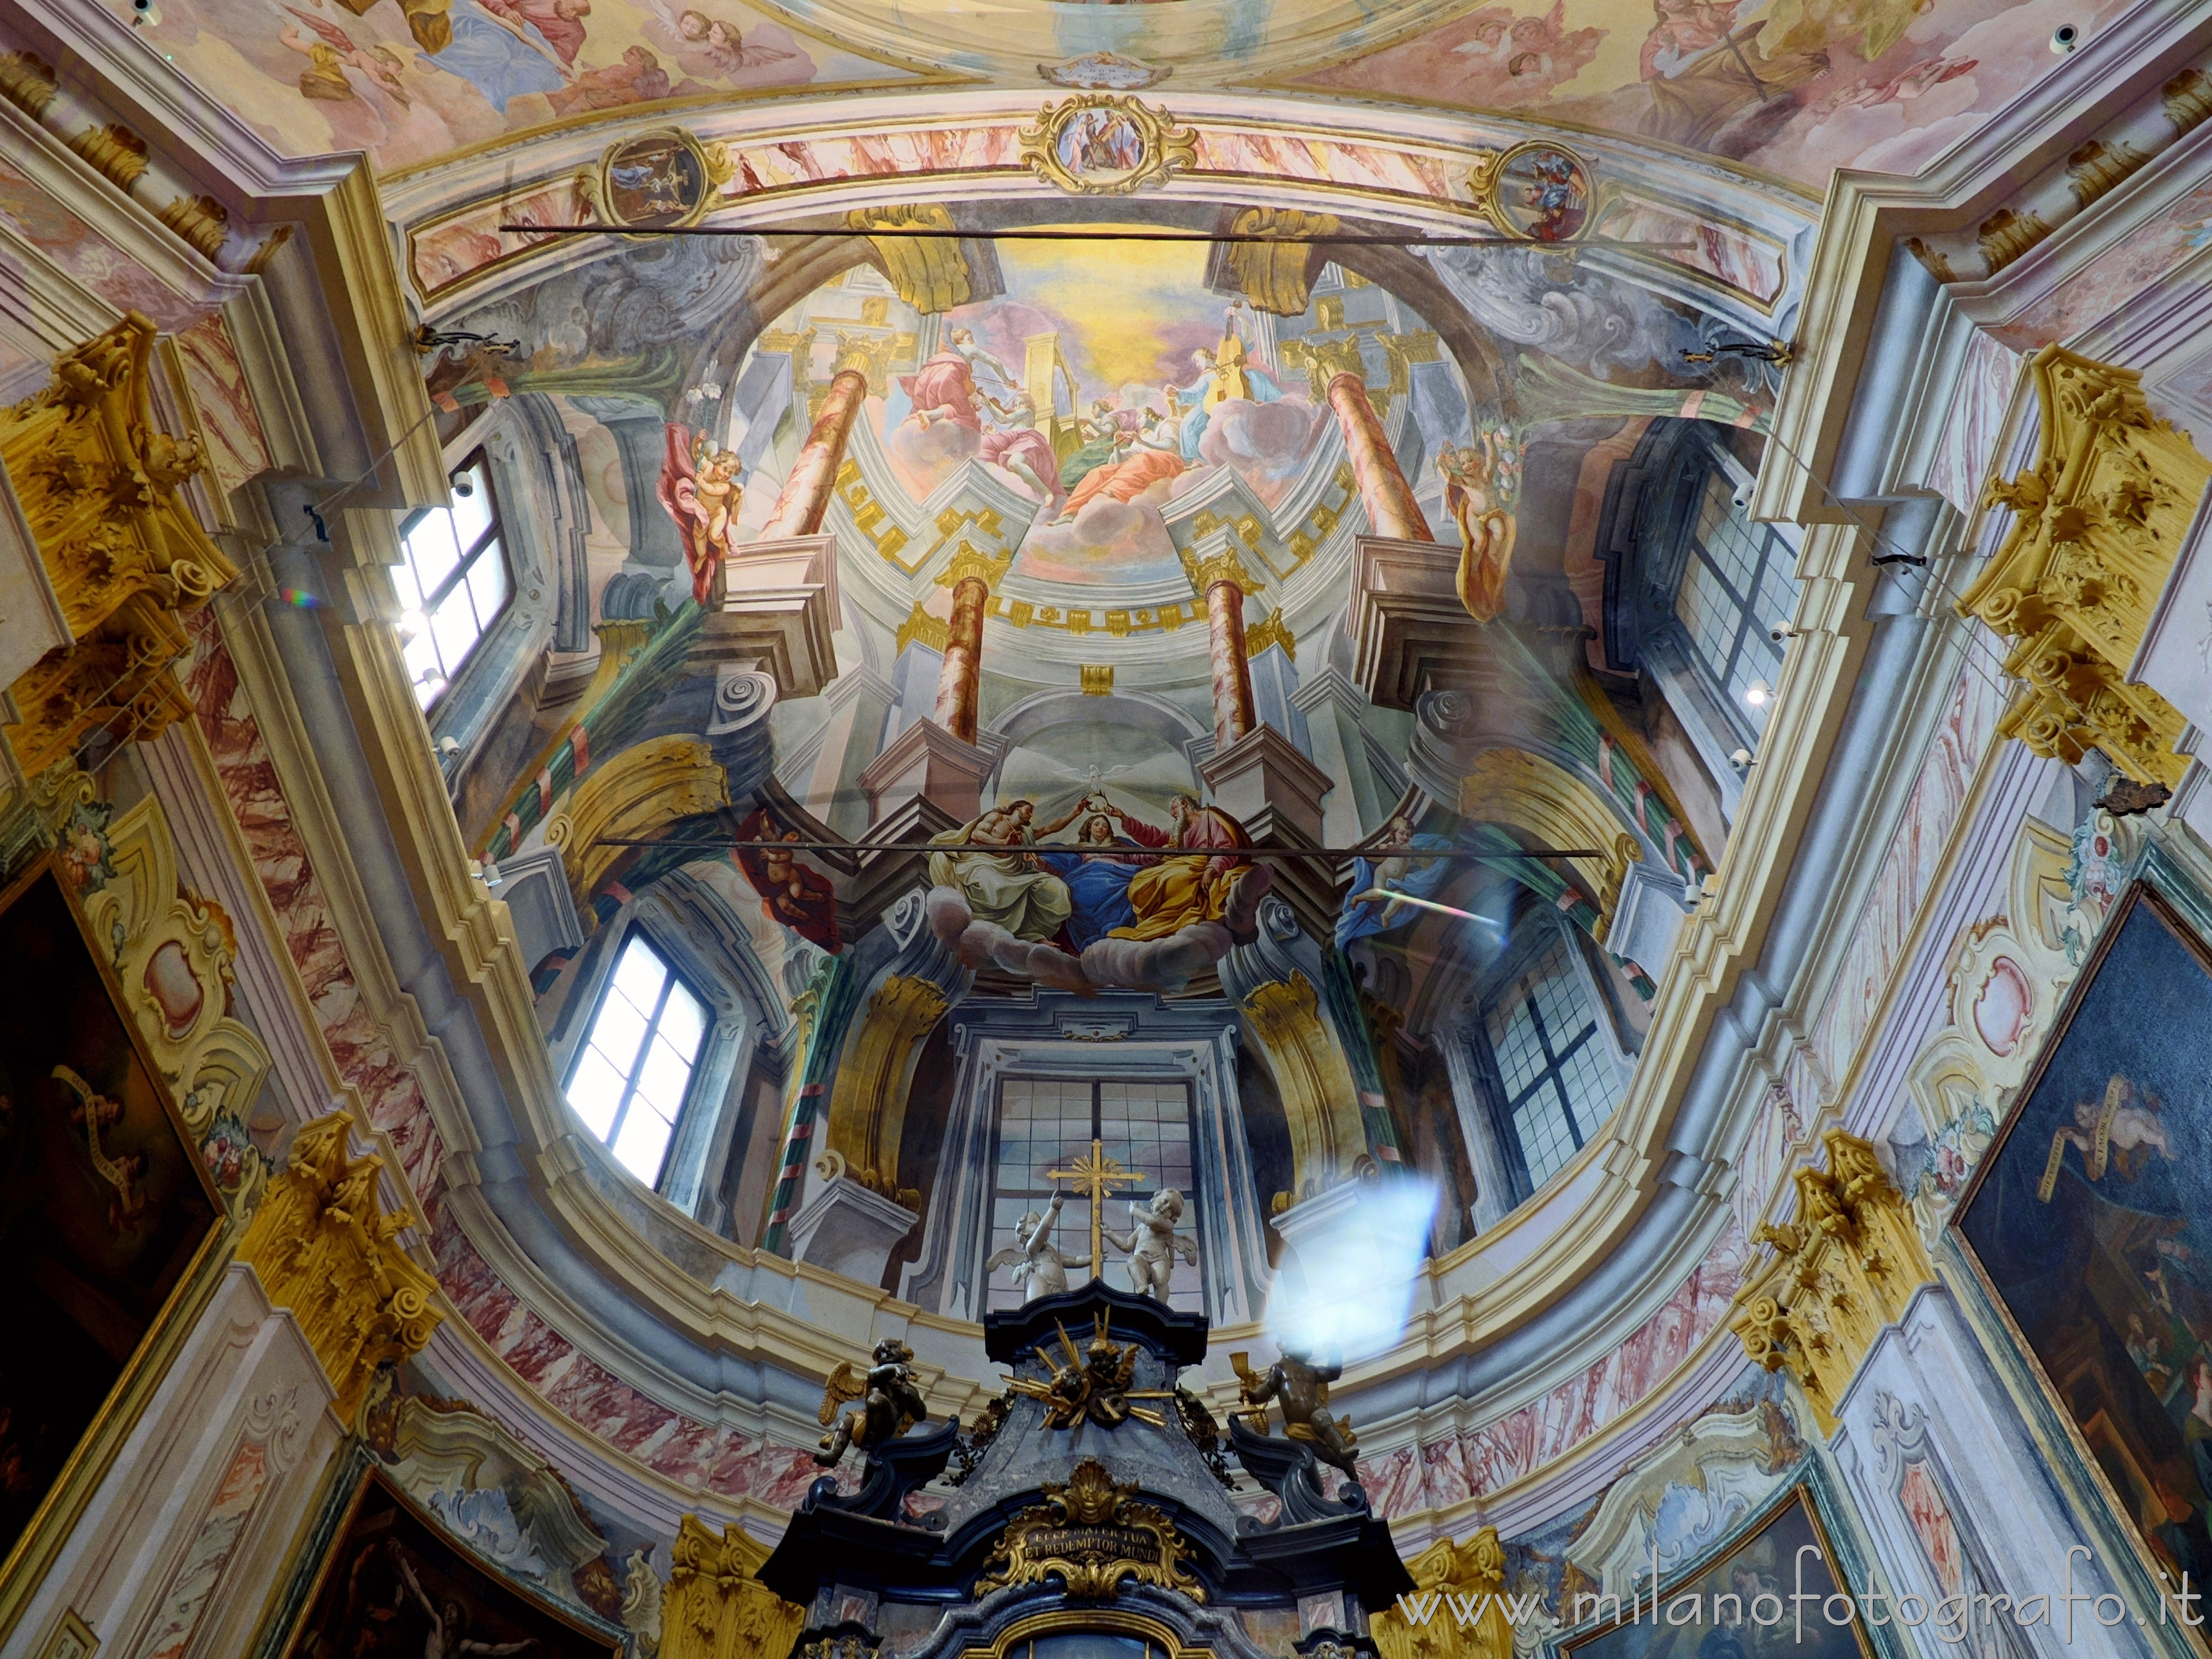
column 1391, row 509
column 1232, row 668
column 959, row 682
column 798, row 511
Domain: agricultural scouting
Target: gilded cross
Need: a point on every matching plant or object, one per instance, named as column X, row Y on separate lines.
column 1094, row 1177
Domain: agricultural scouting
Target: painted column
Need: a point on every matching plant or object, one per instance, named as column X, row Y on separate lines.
column 1223, row 580
column 806, row 498
column 959, row 680
column 1391, row 509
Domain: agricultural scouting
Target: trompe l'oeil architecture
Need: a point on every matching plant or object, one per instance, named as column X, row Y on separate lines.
column 1192, row 830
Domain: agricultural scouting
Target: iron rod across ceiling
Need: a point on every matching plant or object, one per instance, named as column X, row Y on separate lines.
column 717, row 845
column 1342, row 239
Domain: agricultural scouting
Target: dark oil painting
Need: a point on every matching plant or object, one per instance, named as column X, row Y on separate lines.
column 1739, row 1605
column 2091, row 1223
column 102, row 1203
column 394, row 1587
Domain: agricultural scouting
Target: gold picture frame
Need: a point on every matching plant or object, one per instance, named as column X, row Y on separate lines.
column 2106, row 1457
column 662, row 180
column 1101, row 144
column 1540, row 192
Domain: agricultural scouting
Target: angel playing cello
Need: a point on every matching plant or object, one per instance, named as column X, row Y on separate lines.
column 700, row 486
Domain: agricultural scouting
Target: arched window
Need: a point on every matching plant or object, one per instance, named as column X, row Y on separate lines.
column 453, row 580
column 633, row 1068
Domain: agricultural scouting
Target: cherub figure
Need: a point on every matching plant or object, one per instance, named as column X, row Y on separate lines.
column 1037, row 1264
column 336, row 51
column 700, row 486
column 1300, row 1387
column 2121, row 1131
column 1153, row 1243
column 891, row 1404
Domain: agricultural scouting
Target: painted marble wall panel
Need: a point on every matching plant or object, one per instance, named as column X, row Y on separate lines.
column 1487, row 1460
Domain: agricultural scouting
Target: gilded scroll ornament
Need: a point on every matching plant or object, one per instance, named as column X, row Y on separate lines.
column 2098, row 521
column 173, row 953
column 645, row 788
column 1842, row 1268
column 715, row 1605
column 867, row 1101
column 1097, row 144
column 325, row 1249
column 1092, row 1534
column 1275, row 274
column 98, row 485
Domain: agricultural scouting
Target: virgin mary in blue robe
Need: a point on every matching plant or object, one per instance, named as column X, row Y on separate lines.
column 1097, row 872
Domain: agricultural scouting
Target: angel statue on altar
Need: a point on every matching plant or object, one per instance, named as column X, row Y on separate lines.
column 701, row 487
column 1152, row 1243
column 1481, row 488
column 1035, row 1263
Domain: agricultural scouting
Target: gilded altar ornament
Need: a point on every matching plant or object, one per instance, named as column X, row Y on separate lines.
column 715, row 1605
column 1092, row 1534
column 1469, row 1575
column 98, row 484
column 325, row 1249
column 1299, row 1384
column 1094, row 1384
column 661, row 181
column 890, row 1403
column 2098, row 522
column 1098, row 144
column 1841, row 1269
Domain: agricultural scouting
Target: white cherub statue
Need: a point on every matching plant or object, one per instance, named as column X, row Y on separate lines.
column 1038, row 1267
column 1153, row 1243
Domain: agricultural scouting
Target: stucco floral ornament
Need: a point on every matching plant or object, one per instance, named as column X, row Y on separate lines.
column 1098, row 144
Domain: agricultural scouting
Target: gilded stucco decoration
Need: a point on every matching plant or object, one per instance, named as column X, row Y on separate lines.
column 1513, row 786
column 174, row 952
column 1277, row 274
column 98, row 482
column 647, row 787
column 1470, row 1575
column 1842, row 1268
column 1097, row 144
column 924, row 262
column 1314, row 1079
column 715, row 1605
column 1092, row 1534
column 868, row 1097
column 661, row 181
column 325, row 1249
column 2099, row 521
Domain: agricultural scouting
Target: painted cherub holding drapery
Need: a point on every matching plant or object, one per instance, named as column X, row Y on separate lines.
column 701, row 487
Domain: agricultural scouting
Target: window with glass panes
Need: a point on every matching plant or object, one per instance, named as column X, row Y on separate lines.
column 1736, row 586
column 452, row 582
column 629, row 1080
column 1046, row 1123
column 1558, row 1080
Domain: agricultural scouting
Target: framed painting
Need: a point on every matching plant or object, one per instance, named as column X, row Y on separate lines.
column 105, row 1217
column 2089, row 1227
column 392, row 1585
column 1740, row 1602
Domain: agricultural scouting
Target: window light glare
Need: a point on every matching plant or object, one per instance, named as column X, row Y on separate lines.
column 411, row 623
column 1757, row 693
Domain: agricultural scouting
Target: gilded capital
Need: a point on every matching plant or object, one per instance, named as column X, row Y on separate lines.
column 1840, row 1271
column 325, row 1249
column 2098, row 521
column 715, row 1605
column 970, row 563
column 98, row 483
